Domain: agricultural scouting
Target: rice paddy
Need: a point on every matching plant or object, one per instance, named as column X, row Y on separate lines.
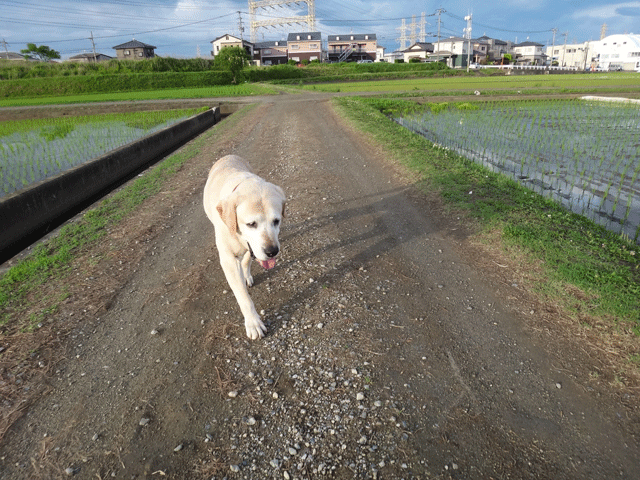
column 35, row 150
column 584, row 154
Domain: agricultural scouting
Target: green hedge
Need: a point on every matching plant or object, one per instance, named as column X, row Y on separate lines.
column 53, row 86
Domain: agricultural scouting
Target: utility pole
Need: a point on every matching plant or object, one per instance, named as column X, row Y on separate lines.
column 564, row 49
column 440, row 11
column 240, row 27
column 553, row 45
column 467, row 34
column 95, row 57
column 6, row 47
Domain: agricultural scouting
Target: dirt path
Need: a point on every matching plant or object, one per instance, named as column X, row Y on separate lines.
column 394, row 349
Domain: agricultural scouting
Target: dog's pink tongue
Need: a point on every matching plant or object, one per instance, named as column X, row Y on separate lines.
column 268, row 264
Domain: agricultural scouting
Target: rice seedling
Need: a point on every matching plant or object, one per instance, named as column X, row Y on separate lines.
column 34, row 150
column 583, row 154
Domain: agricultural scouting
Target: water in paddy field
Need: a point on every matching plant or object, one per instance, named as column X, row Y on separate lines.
column 27, row 158
column 583, row 154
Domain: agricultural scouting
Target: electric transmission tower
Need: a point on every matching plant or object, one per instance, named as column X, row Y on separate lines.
column 309, row 19
column 412, row 37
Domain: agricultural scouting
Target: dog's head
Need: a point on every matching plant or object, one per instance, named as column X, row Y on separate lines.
column 254, row 212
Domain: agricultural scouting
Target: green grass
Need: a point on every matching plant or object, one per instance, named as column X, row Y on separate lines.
column 165, row 94
column 489, row 84
column 54, row 127
column 570, row 249
column 53, row 257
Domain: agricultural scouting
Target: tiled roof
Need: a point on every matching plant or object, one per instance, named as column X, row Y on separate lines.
column 133, row 44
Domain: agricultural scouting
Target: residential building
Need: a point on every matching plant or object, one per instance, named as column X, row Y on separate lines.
column 270, row 53
column 530, row 53
column 231, row 41
column 419, row 51
column 496, row 49
column 352, row 47
column 304, row 46
column 577, row 55
column 618, row 51
column 452, row 50
column 134, row 50
column 90, row 57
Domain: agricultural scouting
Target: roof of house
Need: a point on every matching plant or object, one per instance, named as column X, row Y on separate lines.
column 421, row 47
column 352, row 36
column 273, row 43
column 11, row 56
column 304, row 36
column 235, row 39
column 133, row 44
column 88, row 55
column 529, row 44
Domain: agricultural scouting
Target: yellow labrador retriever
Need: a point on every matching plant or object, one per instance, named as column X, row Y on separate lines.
column 246, row 212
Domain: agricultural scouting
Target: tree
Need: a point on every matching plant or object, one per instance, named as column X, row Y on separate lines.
column 43, row 52
column 233, row 59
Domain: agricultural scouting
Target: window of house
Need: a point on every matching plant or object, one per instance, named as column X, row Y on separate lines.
column 266, row 52
column 295, row 47
column 308, row 37
column 127, row 52
column 313, row 45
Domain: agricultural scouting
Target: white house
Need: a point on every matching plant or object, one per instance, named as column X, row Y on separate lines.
column 618, row 51
column 577, row 55
column 230, row 41
column 530, row 53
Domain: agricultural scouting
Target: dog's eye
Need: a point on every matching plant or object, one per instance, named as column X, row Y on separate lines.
column 252, row 225
column 276, row 222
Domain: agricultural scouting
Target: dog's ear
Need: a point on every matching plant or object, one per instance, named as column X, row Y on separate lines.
column 227, row 211
column 284, row 199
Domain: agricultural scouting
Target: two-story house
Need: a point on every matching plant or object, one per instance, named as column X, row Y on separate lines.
column 496, row 49
column 419, row 51
column 530, row 53
column 452, row 50
column 230, row 41
column 270, row 53
column 304, row 46
column 352, row 47
column 134, row 50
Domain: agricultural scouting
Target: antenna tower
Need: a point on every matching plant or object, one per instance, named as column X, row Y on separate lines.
column 309, row 19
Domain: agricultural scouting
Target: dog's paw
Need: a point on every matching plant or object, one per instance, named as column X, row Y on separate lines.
column 249, row 280
column 255, row 328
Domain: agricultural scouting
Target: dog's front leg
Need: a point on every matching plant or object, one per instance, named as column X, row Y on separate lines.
column 232, row 268
column 246, row 268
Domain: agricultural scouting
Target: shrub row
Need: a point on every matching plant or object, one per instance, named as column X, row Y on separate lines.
column 54, row 86
column 12, row 70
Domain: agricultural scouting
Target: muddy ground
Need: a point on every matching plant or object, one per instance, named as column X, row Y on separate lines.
column 398, row 347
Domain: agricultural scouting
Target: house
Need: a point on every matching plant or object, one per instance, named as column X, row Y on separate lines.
column 452, row 50
column 90, row 57
column 270, row 53
column 418, row 50
column 231, row 41
column 480, row 52
column 304, row 46
column 578, row 55
column 496, row 49
column 11, row 56
column 134, row 50
column 352, row 47
column 618, row 52
column 530, row 53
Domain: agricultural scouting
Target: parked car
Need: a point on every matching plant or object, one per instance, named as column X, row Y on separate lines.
column 365, row 61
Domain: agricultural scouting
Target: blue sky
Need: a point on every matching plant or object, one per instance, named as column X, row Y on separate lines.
column 181, row 28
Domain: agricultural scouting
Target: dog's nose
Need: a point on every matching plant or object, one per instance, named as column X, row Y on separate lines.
column 271, row 251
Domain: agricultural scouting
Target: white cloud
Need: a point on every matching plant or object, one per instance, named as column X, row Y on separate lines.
column 607, row 11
